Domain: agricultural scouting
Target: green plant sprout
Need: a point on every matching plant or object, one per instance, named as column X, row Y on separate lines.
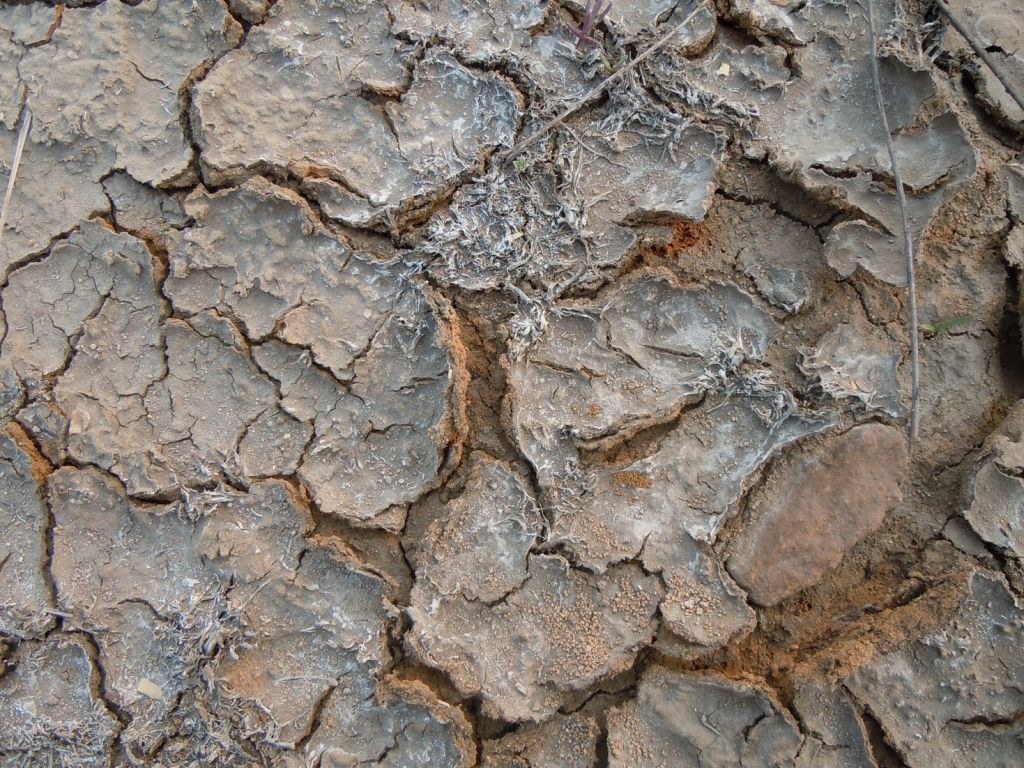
column 945, row 325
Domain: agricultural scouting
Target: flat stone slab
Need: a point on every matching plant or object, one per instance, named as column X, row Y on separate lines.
column 814, row 505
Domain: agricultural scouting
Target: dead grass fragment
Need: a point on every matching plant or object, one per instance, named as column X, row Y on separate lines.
column 26, row 123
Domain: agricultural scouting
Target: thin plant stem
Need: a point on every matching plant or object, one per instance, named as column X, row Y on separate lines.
column 908, row 242
column 599, row 88
column 26, row 123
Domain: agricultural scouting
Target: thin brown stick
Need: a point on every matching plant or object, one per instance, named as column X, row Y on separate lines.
column 26, row 123
column 983, row 54
column 908, row 241
column 596, row 90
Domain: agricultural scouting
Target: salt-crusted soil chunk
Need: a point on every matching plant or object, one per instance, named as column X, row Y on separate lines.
column 729, row 83
column 268, row 274
column 703, row 608
column 520, row 33
column 633, row 17
column 449, row 116
column 690, row 484
column 309, row 631
column 273, row 445
column 217, row 611
column 252, row 11
column 823, row 140
column 783, row 257
column 555, row 67
column 837, row 148
column 12, row 391
column 61, row 187
column 166, row 403
column 256, row 254
column 478, row 550
column 564, row 741
column 481, row 30
column 152, row 428
column 706, row 720
column 48, row 302
column 560, row 223
column 602, row 371
column 405, row 725
column 995, row 491
column 561, row 631
column 257, row 534
column 636, row 165
column 134, row 572
column 95, row 295
column 62, row 190
column 24, row 594
column 1013, row 177
column 784, row 286
column 49, row 711
column 859, row 361
column 667, row 507
column 325, row 102
column 768, row 17
column 158, row 585
column 815, row 505
column 547, row 629
column 381, row 446
column 835, row 736
column 289, row 96
column 997, row 25
column 21, row 26
column 124, row 543
column 113, row 73
column 605, row 368
column 369, row 365
column 142, row 209
column 953, row 697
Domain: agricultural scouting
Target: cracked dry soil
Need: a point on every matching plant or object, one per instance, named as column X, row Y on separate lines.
column 330, row 437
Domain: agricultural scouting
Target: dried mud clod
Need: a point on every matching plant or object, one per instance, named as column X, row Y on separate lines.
column 340, row 429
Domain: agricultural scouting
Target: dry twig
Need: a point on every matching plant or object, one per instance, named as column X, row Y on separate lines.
column 593, row 15
column 597, row 89
column 908, row 242
column 26, row 123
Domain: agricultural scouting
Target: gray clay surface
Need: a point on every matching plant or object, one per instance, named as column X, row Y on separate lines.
column 332, row 436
